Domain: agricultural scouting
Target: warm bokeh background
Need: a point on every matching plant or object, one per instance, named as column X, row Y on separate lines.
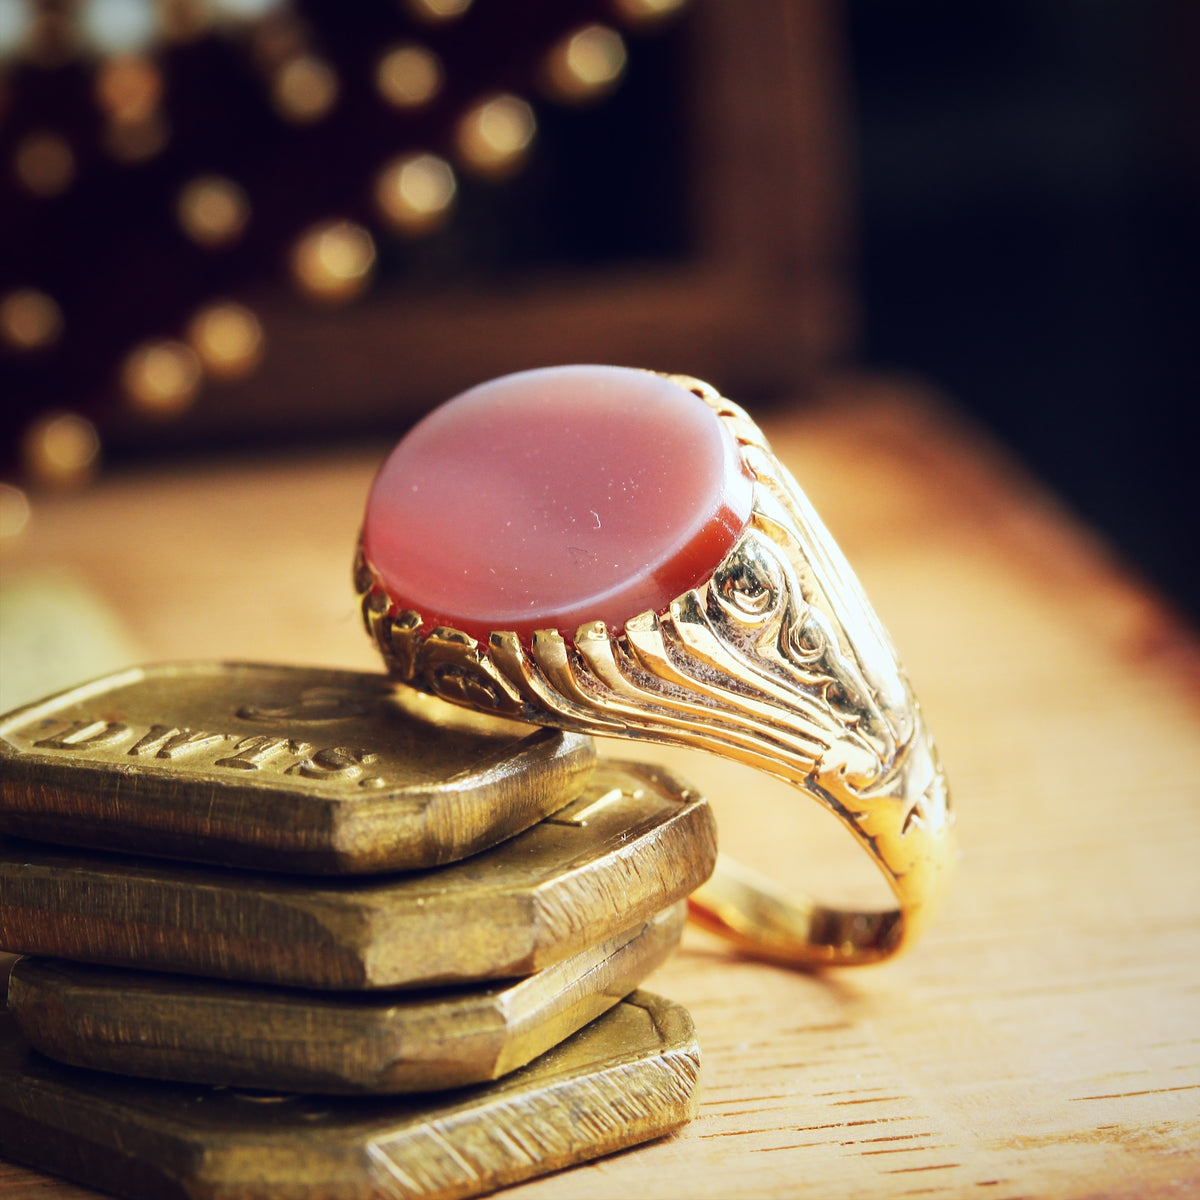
column 229, row 225
column 1029, row 191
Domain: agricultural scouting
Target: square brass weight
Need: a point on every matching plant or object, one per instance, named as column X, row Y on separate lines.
column 277, row 768
column 581, row 904
column 633, row 843
column 629, row 1076
column 171, row 1027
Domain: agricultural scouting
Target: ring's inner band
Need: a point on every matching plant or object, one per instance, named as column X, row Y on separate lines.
column 818, row 893
column 760, row 920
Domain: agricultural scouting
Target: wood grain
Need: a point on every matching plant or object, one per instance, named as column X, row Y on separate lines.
column 1044, row 1039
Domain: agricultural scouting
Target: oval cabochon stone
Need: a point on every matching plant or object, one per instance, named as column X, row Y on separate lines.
column 553, row 497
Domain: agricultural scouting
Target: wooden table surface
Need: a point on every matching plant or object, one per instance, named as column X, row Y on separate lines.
column 1044, row 1038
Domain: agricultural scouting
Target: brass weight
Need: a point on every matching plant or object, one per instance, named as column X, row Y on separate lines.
column 629, row 1076
column 200, row 1031
column 277, row 768
column 633, row 843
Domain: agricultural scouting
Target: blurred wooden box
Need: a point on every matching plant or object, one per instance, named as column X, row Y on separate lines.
column 695, row 220
column 761, row 303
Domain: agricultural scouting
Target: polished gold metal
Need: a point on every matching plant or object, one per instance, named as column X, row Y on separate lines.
column 776, row 661
column 633, row 843
column 627, row 1077
column 276, row 768
column 188, row 1030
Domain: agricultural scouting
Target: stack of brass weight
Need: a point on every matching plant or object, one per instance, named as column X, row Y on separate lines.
column 287, row 933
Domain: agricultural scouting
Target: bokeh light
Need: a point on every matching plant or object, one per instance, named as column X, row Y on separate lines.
column 415, row 193
column 585, row 64
column 333, row 261
column 408, row 76
column 493, row 136
column 213, row 210
column 304, row 89
column 61, row 450
column 29, row 320
column 160, row 379
column 228, row 337
column 45, row 163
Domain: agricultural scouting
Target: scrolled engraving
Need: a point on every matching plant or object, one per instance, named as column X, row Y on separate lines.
column 746, row 588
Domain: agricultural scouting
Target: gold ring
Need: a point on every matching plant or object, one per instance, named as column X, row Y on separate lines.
column 773, row 658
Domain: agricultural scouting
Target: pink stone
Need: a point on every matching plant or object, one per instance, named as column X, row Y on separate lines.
column 553, row 497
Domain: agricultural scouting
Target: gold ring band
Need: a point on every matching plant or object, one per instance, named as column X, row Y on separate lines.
column 776, row 661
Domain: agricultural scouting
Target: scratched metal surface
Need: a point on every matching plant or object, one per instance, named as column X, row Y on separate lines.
column 276, row 768
column 1043, row 1039
column 626, row 1077
column 630, row 844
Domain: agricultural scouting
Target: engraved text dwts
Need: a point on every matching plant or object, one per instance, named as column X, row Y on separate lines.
column 165, row 741
column 186, row 747
column 79, row 735
column 259, row 749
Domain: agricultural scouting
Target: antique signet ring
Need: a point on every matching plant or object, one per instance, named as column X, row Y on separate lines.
column 617, row 552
